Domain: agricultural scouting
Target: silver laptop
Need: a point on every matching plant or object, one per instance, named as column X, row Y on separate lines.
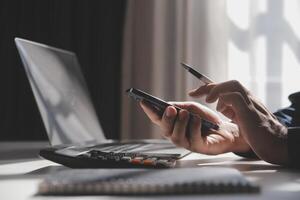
column 74, row 131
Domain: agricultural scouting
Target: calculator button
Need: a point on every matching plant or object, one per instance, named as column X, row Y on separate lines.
column 133, row 161
column 149, row 162
column 117, row 158
column 137, row 160
column 165, row 163
column 126, row 158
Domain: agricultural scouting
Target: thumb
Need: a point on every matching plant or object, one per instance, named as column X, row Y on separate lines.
column 238, row 104
column 199, row 110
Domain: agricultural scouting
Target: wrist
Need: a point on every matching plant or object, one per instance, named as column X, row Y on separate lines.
column 269, row 142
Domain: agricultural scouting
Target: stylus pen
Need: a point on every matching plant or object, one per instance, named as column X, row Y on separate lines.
column 197, row 74
column 205, row 80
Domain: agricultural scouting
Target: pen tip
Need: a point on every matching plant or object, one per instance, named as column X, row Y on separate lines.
column 184, row 65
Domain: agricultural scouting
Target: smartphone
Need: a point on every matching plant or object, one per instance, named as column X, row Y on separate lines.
column 161, row 105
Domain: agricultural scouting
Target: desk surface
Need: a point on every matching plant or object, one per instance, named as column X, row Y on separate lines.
column 21, row 170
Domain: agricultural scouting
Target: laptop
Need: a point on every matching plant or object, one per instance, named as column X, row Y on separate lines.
column 75, row 134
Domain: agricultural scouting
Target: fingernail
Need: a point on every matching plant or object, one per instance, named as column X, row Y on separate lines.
column 208, row 99
column 183, row 115
column 192, row 91
column 192, row 94
column 168, row 112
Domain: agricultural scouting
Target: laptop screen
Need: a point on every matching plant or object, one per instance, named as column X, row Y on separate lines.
column 61, row 94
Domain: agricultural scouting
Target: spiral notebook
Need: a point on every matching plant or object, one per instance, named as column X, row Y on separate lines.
column 203, row 180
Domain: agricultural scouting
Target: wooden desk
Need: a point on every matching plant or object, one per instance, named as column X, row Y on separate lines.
column 21, row 170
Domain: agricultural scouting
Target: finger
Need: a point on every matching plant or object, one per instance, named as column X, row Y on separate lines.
column 238, row 104
column 259, row 106
column 195, row 139
column 167, row 121
column 225, row 110
column 221, row 106
column 184, row 104
column 232, row 86
column 151, row 112
column 178, row 136
column 226, row 87
column 228, row 112
column 200, row 110
column 202, row 90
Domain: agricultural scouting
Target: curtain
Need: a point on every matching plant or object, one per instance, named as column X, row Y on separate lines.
column 152, row 46
column 253, row 41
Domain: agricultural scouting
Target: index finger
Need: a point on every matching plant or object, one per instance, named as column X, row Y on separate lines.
column 198, row 109
column 226, row 87
column 202, row 90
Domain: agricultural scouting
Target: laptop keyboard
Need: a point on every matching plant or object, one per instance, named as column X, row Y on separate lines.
column 131, row 159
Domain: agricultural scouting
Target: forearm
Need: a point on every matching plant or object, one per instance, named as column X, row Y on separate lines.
column 283, row 116
column 289, row 117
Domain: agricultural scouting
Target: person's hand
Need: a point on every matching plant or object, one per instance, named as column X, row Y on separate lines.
column 175, row 126
column 260, row 128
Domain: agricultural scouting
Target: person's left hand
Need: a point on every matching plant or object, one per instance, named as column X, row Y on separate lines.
column 175, row 126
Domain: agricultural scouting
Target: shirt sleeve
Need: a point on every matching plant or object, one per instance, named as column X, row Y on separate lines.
column 294, row 146
column 290, row 117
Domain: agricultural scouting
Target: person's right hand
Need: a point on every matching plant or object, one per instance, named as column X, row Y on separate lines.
column 175, row 127
column 260, row 128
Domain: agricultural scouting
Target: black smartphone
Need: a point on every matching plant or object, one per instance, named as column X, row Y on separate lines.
column 161, row 105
